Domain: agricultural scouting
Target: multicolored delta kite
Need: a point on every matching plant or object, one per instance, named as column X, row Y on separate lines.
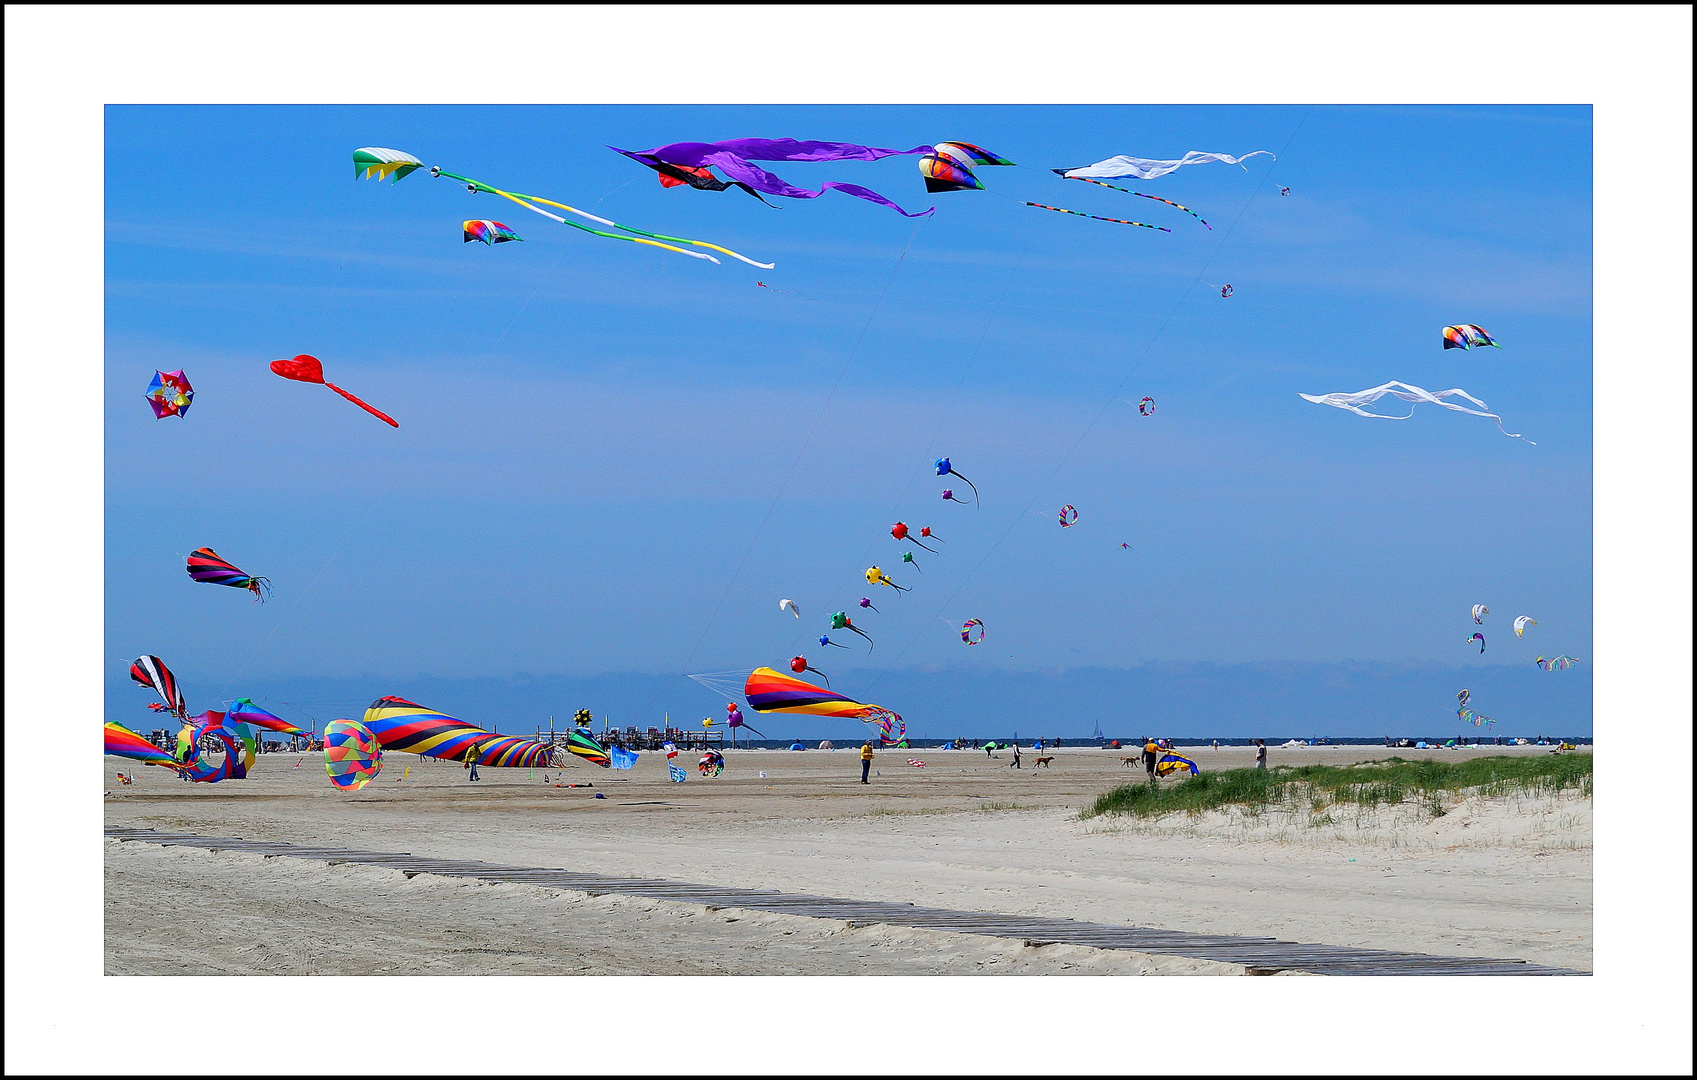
column 170, row 394
column 406, row 726
column 775, row 692
column 352, row 754
column 380, row 162
column 205, row 565
column 1466, row 336
column 945, row 166
column 490, row 232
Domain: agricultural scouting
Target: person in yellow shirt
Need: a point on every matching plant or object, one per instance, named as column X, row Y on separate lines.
column 1151, row 754
column 865, row 761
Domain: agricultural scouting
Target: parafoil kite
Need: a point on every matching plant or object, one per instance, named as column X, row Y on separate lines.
column 866, row 602
column 900, row 531
column 1465, row 336
column 1141, row 195
column 205, row 565
column 170, row 394
column 305, row 368
column 798, row 664
column 1462, row 695
column 945, row 468
column 1415, row 394
column 1557, row 663
column 1146, row 407
column 1480, row 638
column 972, row 631
column 788, row 605
column 490, row 232
column 1150, row 168
column 772, row 691
column 1479, row 613
column 841, row 621
column 353, row 756
column 1069, row 516
column 1171, row 763
column 907, row 557
column 1522, row 622
column 1125, row 547
column 406, row 726
column 373, row 160
column 945, row 166
column 1098, row 217
column 151, row 672
column 877, row 577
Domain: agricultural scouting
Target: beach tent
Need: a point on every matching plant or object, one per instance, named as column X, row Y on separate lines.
column 827, row 744
column 797, row 745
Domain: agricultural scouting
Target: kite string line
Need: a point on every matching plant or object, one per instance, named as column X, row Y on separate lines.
column 1100, row 412
column 960, row 380
column 796, row 461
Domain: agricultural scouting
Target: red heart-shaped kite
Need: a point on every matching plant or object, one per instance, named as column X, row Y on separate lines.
column 304, row 368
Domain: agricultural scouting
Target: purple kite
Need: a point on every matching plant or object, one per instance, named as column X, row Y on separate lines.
column 736, row 157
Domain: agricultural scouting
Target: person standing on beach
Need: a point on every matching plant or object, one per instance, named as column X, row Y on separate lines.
column 1260, row 753
column 1151, row 754
column 865, row 761
column 471, row 761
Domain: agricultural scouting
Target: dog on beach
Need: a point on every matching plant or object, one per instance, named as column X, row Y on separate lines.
column 1128, row 761
column 1043, row 761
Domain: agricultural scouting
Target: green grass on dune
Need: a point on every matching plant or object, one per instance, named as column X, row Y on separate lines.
column 1369, row 784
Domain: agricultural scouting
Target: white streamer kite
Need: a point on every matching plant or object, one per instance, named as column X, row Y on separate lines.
column 1415, row 394
column 1150, row 168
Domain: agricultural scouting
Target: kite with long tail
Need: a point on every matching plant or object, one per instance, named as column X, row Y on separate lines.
column 379, row 162
column 799, row 664
column 1097, row 217
column 307, row 369
column 206, row 565
column 900, row 531
column 944, row 468
column 841, row 621
column 1141, row 195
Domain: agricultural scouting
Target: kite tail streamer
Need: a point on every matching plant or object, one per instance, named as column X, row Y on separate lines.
column 1141, row 195
column 656, row 236
column 1116, row 221
column 385, row 417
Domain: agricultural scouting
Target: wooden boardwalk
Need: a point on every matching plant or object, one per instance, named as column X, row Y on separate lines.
column 1263, row 956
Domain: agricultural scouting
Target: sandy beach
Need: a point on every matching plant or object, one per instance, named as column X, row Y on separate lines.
column 1503, row 877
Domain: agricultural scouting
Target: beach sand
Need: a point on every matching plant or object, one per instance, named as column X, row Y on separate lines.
column 1506, row 877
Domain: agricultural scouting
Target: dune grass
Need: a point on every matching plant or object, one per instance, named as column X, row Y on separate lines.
column 1369, row 784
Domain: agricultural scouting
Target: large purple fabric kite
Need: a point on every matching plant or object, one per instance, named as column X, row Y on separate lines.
column 735, row 158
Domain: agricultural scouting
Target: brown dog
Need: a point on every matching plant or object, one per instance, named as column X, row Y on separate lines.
column 1043, row 761
column 1128, row 761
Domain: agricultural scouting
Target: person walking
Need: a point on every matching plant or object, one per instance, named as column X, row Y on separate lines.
column 1260, row 753
column 471, row 761
column 865, row 761
column 1151, row 754
column 1014, row 764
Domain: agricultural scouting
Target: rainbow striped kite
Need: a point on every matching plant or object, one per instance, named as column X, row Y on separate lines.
column 205, row 565
column 151, row 672
column 352, row 755
column 772, row 691
column 403, row 725
column 244, row 711
column 122, row 742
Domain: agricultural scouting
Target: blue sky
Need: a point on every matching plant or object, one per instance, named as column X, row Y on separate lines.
column 592, row 433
